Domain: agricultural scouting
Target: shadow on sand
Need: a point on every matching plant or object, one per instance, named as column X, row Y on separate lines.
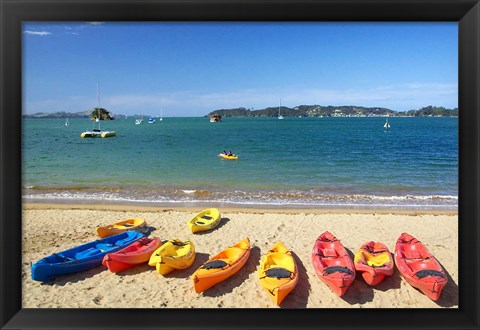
column 76, row 277
column 146, row 230
column 298, row 298
column 222, row 223
column 200, row 259
column 449, row 297
column 135, row 270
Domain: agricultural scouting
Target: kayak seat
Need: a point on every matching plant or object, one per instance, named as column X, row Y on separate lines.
column 88, row 253
column 429, row 272
column 207, row 217
column 127, row 225
column 412, row 254
column 337, row 269
column 278, row 273
column 328, row 253
column 214, row 264
column 176, row 243
column 65, row 258
column 374, row 264
column 374, row 250
column 199, row 222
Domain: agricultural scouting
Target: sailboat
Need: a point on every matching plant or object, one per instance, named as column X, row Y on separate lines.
column 66, row 122
column 387, row 125
column 138, row 121
column 97, row 132
column 279, row 115
column 161, row 111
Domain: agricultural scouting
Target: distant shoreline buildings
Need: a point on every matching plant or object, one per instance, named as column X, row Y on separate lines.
column 339, row 111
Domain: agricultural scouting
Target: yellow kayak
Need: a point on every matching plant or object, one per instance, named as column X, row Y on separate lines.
column 221, row 266
column 120, row 227
column 205, row 220
column 174, row 254
column 233, row 157
column 278, row 273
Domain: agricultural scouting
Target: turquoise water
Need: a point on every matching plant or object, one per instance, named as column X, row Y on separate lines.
column 319, row 162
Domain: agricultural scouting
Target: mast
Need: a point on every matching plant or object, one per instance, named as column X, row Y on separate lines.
column 98, row 101
column 280, row 105
column 98, row 96
column 161, row 110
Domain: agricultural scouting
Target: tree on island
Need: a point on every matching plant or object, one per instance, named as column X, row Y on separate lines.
column 101, row 114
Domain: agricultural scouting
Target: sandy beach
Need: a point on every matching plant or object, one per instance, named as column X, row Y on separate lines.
column 49, row 228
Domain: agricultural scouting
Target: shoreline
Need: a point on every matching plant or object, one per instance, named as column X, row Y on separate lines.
column 259, row 209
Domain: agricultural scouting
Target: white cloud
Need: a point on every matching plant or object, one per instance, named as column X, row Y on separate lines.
column 37, row 33
column 399, row 97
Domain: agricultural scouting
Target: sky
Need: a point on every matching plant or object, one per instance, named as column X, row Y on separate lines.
column 181, row 69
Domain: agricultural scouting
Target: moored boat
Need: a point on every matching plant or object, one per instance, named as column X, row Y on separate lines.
column 332, row 263
column 215, row 118
column 205, row 220
column 82, row 257
column 134, row 254
column 278, row 273
column 374, row 261
column 97, row 132
column 222, row 266
column 120, row 227
column 419, row 267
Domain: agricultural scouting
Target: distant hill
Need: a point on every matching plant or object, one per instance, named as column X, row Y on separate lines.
column 60, row 114
column 431, row 111
column 102, row 113
column 334, row 111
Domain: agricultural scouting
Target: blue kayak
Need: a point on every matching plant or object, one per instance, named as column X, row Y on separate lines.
column 82, row 257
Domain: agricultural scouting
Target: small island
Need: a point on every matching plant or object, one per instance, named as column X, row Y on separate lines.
column 101, row 114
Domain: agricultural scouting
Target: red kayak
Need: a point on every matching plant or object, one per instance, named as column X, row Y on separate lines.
column 134, row 254
column 374, row 261
column 419, row 267
column 332, row 263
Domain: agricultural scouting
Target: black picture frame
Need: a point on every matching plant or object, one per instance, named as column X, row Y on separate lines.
column 465, row 12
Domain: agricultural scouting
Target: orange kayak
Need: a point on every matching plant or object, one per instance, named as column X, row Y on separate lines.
column 134, row 254
column 332, row 263
column 120, row 227
column 419, row 267
column 222, row 266
column 374, row 261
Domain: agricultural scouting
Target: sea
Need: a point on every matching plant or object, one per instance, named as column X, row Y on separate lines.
column 327, row 162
